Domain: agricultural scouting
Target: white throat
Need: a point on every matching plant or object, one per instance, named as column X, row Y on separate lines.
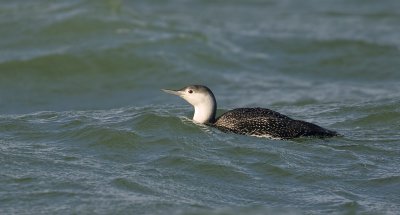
column 205, row 107
column 204, row 112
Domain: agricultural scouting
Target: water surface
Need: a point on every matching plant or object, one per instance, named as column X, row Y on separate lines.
column 85, row 129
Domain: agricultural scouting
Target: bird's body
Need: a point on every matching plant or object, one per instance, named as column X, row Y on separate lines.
column 247, row 121
column 263, row 122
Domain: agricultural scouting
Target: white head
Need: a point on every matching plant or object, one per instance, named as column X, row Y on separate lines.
column 202, row 99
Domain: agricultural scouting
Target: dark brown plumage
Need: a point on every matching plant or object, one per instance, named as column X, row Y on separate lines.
column 268, row 123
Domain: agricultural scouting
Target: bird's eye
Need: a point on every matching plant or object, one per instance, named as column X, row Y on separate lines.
column 190, row 91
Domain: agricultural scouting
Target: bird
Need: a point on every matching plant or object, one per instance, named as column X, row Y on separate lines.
column 260, row 122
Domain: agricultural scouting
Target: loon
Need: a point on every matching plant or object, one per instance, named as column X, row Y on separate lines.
column 259, row 122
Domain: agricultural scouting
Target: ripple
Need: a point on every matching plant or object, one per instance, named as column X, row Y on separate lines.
column 385, row 181
column 126, row 184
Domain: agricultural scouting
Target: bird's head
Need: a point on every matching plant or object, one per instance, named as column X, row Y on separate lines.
column 201, row 98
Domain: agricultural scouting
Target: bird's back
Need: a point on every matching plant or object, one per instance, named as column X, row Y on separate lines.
column 265, row 122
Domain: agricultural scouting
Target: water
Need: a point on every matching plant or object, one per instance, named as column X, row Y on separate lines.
column 85, row 129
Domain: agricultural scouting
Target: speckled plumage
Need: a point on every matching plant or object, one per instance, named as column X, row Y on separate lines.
column 265, row 122
column 247, row 121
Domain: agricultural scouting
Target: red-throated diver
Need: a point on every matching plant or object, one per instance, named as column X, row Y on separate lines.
column 247, row 121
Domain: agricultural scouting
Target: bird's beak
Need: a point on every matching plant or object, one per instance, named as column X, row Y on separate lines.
column 173, row 92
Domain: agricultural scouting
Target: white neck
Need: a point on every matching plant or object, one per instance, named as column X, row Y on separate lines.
column 204, row 113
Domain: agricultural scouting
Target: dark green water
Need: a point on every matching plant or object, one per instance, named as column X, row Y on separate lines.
column 84, row 128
